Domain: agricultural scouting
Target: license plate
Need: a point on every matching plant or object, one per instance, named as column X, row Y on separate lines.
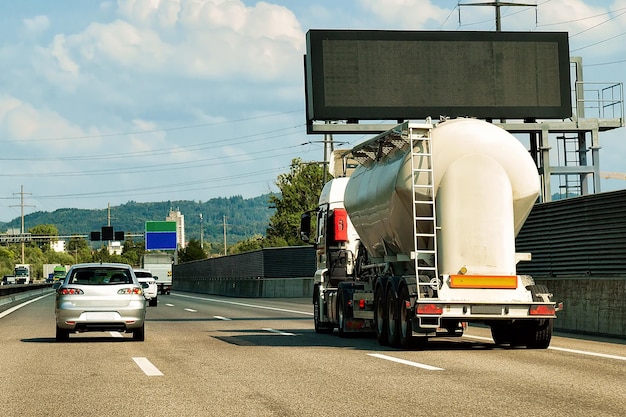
column 101, row 316
column 486, row 309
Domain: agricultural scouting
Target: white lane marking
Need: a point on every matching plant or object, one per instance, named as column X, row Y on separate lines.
column 306, row 313
column 583, row 352
column 116, row 334
column 267, row 329
column 222, row 318
column 17, row 307
column 579, row 352
column 147, row 367
column 191, row 310
column 405, row 362
column 169, row 305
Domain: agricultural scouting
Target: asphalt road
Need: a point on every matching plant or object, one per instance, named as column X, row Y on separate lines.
column 216, row 356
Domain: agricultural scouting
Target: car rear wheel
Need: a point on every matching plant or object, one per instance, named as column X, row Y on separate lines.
column 139, row 334
column 153, row 302
column 62, row 335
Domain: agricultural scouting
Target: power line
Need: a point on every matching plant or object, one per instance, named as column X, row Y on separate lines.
column 142, row 132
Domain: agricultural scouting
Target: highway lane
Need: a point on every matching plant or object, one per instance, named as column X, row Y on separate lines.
column 217, row 356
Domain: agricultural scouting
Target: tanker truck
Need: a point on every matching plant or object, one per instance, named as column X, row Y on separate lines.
column 419, row 240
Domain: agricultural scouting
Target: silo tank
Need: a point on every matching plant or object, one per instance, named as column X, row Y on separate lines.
column 485, row 185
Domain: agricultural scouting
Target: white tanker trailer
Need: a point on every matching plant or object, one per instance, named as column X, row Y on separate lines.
column 420, row 239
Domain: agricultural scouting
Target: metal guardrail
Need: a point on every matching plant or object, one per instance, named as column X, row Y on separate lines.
column 598, row 100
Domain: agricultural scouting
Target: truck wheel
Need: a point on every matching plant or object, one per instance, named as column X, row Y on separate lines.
column 380, row 318
column 406, row 325
column 62, row 335
column 538, row 333
column 502, row 333
column 319, row 326
column 139, row 334
column 393, row 321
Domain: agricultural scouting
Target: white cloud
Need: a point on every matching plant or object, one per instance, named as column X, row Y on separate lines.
column 59, row 51
column 20, row 121
column 206, row 39
column 37, row 24
column 409, row 14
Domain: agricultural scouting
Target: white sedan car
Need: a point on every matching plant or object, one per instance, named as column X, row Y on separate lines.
column 148, row 283
column 100, row 297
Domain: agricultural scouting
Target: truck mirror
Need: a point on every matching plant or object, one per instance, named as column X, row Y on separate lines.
column 155, row 278
column 305, row 226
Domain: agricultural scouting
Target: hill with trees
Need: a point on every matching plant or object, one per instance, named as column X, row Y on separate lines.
column 245, row 218
column 269, row 220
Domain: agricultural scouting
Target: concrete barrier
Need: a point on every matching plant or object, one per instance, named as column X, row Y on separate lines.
column 591, row 305
column 250, row 288
column 14, row 294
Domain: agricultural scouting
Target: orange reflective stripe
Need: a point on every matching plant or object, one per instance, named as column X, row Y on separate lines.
column 484, row 281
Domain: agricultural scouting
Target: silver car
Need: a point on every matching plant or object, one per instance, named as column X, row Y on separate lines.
column 100, row 297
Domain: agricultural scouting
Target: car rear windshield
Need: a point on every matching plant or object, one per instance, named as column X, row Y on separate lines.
column 100, row 276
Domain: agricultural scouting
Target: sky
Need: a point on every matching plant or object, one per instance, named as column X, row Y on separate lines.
column 105, row 102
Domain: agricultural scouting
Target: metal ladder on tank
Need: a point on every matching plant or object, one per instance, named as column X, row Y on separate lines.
column 424, row 212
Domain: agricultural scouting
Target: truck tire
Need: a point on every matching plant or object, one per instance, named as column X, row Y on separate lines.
column 538, row 333
column 393, row 321
column 502, row 333
column 380, row 318
column 319, row 326
column 406, row 324
column 62, row 335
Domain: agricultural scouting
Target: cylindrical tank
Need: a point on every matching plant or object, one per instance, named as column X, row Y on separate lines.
column 485, row 185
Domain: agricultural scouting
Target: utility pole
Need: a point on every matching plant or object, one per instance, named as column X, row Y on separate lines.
column 22, row 205
column 497, row 4
column 201, row 233
column 329, row 147
column 225, row 247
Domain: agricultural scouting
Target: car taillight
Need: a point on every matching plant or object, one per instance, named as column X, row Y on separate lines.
column 71, row 291
column 129, row 291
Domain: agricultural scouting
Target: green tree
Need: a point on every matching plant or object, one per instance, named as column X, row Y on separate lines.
column 133, row 251
column 192, row 252
column 79, row 248
column 256, row 242
column 44, row 230
column 299, row 192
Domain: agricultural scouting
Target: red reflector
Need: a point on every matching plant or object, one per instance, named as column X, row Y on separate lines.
column 542, row 310
column 361, row 304
column 429, row 309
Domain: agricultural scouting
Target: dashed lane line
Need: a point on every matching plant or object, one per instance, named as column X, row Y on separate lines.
column 280, row 332
column 147, row 367
column 405, row 362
